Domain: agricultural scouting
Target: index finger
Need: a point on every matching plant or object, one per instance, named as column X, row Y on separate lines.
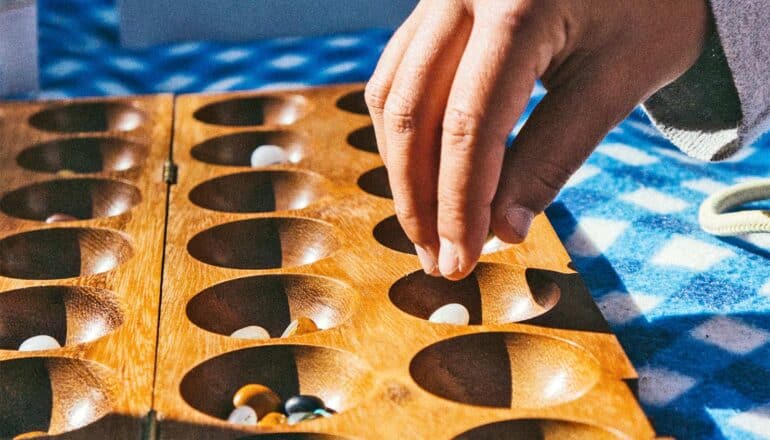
column 487, row 97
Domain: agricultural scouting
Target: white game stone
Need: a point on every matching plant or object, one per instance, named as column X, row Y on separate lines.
column 290, row 329
column 39, row 342
column 265, row 155
column 251, row 332
column 494, row 244
column 244, row 415
column 452, row 313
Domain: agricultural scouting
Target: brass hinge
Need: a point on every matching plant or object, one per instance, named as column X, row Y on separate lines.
column 169, row 172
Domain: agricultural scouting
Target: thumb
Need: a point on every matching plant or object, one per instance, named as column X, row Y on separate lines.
column 557, row 138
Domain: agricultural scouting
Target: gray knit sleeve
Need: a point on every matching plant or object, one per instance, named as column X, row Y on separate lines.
column 723, row 101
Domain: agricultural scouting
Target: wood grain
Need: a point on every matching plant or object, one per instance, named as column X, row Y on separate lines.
column 264, row 246
column 93, row 283
column 314, row 237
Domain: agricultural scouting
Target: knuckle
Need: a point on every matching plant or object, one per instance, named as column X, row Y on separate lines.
column 462, row 126
column 400, row 115
column 399, row 123
column 522, row 16
column 375, row 94
column 551, row 177
column 457, row 209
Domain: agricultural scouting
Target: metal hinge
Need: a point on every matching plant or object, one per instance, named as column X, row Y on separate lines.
column 169, row 172
column 150, row 428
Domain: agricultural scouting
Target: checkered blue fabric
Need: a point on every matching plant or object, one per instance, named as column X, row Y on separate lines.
column 691, row 310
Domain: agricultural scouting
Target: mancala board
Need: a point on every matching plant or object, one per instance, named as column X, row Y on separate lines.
column 82, row 218
column 315, row 236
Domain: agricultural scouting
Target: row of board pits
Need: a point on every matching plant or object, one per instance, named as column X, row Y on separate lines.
column 60, row 394
column 55, row 394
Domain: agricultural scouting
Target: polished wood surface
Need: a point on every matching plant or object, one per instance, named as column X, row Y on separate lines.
column 92, row 282
column 316, row 237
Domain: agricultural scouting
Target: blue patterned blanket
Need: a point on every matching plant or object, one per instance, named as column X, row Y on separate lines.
column 691, row 310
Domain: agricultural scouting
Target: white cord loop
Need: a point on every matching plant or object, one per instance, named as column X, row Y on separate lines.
column 714, row 221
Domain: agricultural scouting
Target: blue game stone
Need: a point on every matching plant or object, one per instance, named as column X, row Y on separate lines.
column 323, row 413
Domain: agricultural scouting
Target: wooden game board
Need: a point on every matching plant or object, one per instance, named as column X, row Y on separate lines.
column 315, row 237
column 93, row 284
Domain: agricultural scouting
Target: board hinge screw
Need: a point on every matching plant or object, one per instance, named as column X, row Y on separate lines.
column 170, row 172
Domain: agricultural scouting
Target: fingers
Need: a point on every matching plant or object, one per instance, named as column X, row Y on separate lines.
column 412, row 121
column 378, row 87
column 559, row 135
column 490, row 90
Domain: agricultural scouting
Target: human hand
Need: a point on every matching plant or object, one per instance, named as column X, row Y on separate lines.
column 455, row 78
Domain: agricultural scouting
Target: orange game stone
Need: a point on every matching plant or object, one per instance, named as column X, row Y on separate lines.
column 300, row 326
column 259, row 397
column 272, row 419
column 31, row 434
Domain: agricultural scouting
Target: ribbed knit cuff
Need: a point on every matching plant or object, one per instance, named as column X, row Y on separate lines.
column 723, row 101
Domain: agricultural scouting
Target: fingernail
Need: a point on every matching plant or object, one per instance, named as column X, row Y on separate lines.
column 520, row 219
column 448, row 260
column 427, row 260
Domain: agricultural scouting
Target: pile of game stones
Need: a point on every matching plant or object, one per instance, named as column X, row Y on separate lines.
column 299, row 326
column 258, row 405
